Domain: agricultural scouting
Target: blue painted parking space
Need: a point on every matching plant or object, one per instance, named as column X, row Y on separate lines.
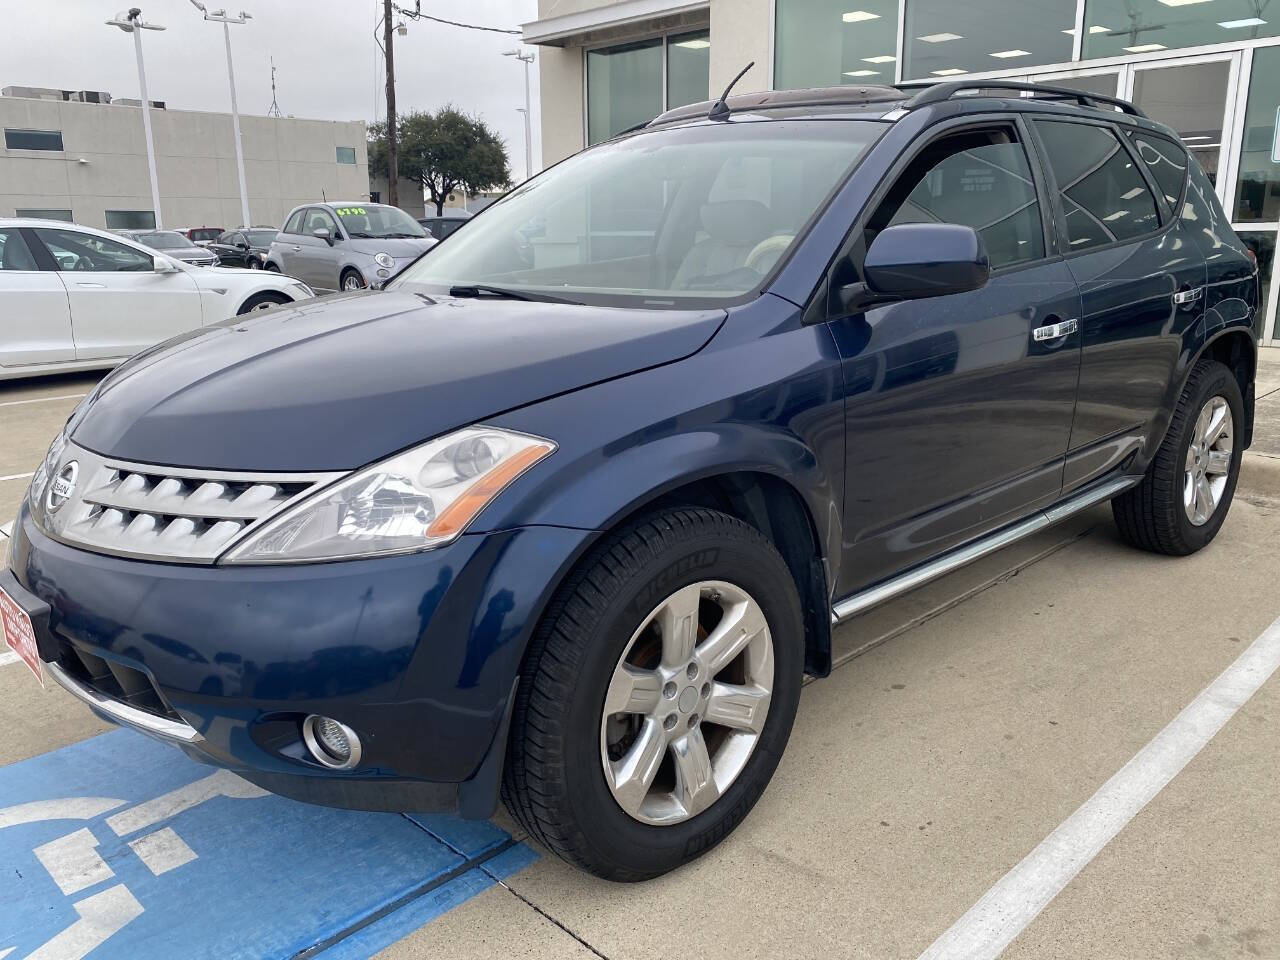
column 122, row 847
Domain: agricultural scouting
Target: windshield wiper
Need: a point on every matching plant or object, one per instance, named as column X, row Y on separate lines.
column 485, row 290
column 355, row 235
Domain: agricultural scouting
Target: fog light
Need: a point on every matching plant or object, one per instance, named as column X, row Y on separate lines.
column 383, row 273
column 332, row 743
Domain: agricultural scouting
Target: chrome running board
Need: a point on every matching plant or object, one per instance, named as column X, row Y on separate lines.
column 858, row 603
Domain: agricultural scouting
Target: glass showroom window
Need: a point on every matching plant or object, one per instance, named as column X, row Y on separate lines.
column 624, row 87
column 688, row 68
column 822, row 43
column 1117, row 28
column 944, row 38
column 1258, row 185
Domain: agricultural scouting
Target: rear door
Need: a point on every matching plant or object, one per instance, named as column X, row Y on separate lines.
column 119, row 304
column 35, row 316
column 958, row 413
column 1142, row 281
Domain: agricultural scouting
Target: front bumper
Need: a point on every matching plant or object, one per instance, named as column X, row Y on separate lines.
column 418, row 654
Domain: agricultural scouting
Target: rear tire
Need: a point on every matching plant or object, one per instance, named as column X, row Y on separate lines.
column 270, row 267
column 1182, row 501
column 565, row 774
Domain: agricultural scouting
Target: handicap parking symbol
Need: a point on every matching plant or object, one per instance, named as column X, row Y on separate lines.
column 123, row 847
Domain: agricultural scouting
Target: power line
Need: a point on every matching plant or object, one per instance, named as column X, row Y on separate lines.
column 417, row 14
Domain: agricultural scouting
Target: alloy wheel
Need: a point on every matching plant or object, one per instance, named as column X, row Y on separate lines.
column 352, row 282
column 687, row 703
column 1208, row 463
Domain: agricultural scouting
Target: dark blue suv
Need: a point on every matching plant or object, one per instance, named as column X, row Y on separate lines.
column 567, row 521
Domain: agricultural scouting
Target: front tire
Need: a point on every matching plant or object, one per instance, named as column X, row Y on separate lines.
column 657, row 695
column 262, row 301
column 352, row 281
column 1180, row 505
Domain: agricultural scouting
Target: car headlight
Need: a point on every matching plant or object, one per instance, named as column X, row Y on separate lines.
column 305, row 290
column 40, row 479
column 384, row 260
column 416, row 500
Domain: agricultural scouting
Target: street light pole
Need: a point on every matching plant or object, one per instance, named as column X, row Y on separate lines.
column 526, row 59
column 131, row 22
column 220, row 16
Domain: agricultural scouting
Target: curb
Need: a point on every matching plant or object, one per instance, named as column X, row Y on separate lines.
column 1260, row 475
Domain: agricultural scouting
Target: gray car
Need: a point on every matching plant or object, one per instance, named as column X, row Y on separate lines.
column 346, row 246
column 172, row 244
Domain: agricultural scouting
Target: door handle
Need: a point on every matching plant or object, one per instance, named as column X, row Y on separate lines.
column 91, row 286
column 1188, row 296
column 1055, row 331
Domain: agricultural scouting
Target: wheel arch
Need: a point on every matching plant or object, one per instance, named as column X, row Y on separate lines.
column 1236, row 348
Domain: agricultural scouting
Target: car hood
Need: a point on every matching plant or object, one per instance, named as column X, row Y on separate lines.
column 398, row 247
column 337, row 383
column 179, row 252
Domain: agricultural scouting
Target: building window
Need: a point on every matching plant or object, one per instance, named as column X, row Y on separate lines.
column 1258, row 186
column 32, row 139
column 131, row 220
column 688, row 68
column 45, row 214
column 347, row 155
column 1116, row 28
column 633, row 83
column 822, row 43
column 943, row 38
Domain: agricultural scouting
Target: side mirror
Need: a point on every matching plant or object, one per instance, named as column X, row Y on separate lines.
column 916, row 261
column 323, row 233
column 164, row 265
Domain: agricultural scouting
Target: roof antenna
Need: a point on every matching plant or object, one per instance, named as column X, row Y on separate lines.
column 720, row 109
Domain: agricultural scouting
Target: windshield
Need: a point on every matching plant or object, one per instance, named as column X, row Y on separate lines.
column 164, row 240
column 378, row 221
column 664, row 219
column 260, row 238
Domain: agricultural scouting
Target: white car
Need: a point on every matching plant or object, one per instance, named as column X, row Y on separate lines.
column 75, row 298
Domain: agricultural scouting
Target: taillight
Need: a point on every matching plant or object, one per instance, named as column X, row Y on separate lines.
column 1252, row 256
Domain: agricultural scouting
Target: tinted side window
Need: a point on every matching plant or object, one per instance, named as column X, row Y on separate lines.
column 980, row 179
column 1103, row 193
column 295, row 222
column 14, row 253
column 1167, row 162
column 84, row 251
column 318, row 219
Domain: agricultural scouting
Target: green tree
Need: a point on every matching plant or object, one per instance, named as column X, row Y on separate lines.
column 445, row 151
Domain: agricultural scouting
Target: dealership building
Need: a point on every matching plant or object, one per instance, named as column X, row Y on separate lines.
column 79, row 156
column 1210, row 69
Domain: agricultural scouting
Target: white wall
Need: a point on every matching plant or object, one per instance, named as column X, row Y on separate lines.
column 287, row 162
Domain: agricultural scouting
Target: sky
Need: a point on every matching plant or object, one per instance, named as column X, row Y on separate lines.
column 327, row 64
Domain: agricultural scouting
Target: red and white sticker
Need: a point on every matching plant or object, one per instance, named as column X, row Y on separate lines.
column 19, row 634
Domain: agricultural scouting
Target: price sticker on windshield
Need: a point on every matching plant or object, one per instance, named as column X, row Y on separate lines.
column 351, row 211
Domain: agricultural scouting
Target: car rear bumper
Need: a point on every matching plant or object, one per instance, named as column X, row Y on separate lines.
column 418, row 654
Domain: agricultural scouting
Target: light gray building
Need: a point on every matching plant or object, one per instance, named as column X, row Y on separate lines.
column 1210, row 69
column 86, row 161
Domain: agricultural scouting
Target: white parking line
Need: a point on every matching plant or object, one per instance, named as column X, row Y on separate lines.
column 18, row 476
column 1018, row 897
column 17, row 403
column 8, row 657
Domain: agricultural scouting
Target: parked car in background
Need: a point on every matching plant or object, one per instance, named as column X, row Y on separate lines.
column 346, row 246
column 201, row 236
column 573, row 533
column 243, row 248
column 75, row 298
column 445, row 224
column 173, row 244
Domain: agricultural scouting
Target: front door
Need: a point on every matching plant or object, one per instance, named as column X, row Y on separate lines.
column 957, row 413
column 316, row 261
column 119, row 304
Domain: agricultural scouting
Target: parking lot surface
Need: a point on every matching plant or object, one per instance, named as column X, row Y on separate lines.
column 967, row 722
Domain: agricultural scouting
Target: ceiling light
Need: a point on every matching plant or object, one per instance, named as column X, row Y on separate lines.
column 1097, row 29
column 862, row 73
column 694, row 44
column 1006, row 54
column 1117, row 215
column 1146, row 47
column 940, row 38
column 883, row 58
column 1182, row 3
column 1196, row 137
column 1135, row 192
column 949, row 72
column 857, row 16
column 1248, row 22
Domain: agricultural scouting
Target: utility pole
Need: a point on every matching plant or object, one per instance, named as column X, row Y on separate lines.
column 393, row 168
column 132, row 22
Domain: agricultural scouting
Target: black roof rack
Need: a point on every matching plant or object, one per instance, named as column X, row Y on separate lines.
column 940, row 92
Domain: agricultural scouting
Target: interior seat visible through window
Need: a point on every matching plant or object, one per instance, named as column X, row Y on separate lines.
column 734, row 229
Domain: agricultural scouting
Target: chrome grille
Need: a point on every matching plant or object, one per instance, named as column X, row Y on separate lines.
column 166, row 513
